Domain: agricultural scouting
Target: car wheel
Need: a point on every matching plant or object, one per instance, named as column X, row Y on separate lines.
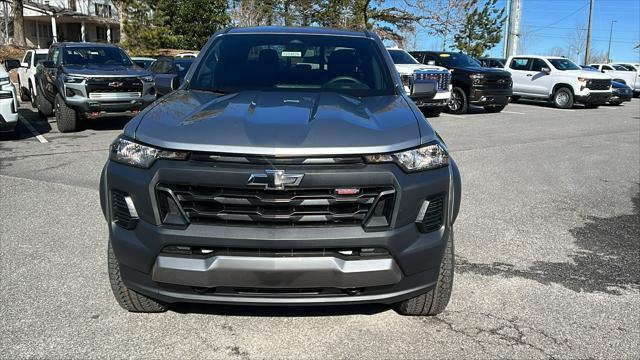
column 32, row 96
column 563, row 98
column 23, row 96
column 494, row 108
column 435, row 300
column 515, row 98
column 66, row 117
column 431, row 111
column 127, row 298
column 615, row 102
column 458, row 103
column 45, row 108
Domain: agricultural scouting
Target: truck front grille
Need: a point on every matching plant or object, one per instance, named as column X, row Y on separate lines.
column 442, row 78
column 599, row 84
column 114, row 85
column 497, row 82
column 300, row 207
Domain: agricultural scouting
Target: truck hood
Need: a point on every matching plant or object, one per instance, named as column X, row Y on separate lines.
column 95, row 70
column 408, row 69
column 280, row 123
column 483, row 70
column 585, row 74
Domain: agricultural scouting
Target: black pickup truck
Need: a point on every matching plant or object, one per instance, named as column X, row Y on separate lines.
column 88, row 80
column 472, row 83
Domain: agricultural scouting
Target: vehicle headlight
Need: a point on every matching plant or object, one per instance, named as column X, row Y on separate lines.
column 147, row 78
column 131, row 153
column 476, row 76
column 423, row 158
column 72, row 79
column 4, row 80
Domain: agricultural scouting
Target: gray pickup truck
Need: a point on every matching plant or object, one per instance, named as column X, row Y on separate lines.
column 289, row 167
column 86, row 80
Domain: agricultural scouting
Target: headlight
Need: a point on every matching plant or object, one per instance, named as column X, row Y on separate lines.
column 131, row 153
column 476, row 76
column 4, row 80
column 147, row 78
column 72, row 79
column 423, row 158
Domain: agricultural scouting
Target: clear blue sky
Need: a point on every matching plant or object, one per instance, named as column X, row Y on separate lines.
column 552, row 23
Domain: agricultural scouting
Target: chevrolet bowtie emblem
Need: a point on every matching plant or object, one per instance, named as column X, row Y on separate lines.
column 275, row 179
column 115, row 84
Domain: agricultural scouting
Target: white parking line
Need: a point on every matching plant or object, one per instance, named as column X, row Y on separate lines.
column 608, row 108
column 451, row 115
column 33, row 130
column 513, row 112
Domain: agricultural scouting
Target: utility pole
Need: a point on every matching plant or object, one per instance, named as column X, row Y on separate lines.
column 610, row 33
column 513, row 32
column 588, row 49
column 6, row 22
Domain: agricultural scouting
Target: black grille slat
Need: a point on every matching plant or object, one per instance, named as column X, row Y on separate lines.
column 433, row 217
column 443, row 79
column 211, row 205
column 598, row 84
column 101, row 85
column 120, row 210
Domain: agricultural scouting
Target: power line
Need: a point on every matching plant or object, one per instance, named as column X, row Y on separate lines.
column 565, row 17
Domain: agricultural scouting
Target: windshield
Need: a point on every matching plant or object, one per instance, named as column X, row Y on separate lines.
column 458, row 60
column 103, row 55
column 564, row 64
column 402, row 57
column 286, row 62
column 182, row 66
column 39, row 57
column 620, row 67
column 143, row 63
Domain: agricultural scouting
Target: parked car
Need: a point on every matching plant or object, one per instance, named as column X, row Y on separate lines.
column 620, row 92
column 90, row 80
column 27, row 72
column 633, row 68
column 260, row 182
column 620, row 73
column 409, row 69
column 190, row 55
column 557, row 79
column 167, row 71
column 143, row 62
column 472, row 83
column 8, row 104
column 492, row 62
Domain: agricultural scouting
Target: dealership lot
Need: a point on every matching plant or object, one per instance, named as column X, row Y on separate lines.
column 547, row 242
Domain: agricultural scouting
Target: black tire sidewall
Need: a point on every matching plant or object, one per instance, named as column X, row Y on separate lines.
column 464, row 107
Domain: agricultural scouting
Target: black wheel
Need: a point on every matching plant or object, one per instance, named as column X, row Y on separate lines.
column 515, row 98
column 563, row 98
column 458, row 103
column 45, row 108
column 127, row 298
column 23, row 96
column 615, row 102
column 32, row 96
column 494, row 108
column 431, row 111
column 435, row 300
column 66, row 117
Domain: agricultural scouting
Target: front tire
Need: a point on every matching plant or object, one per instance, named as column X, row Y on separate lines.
column 431, row 111
column 435, row 300
column 563, row 98
column 45, row 108
column 494, row 108
column 127, row 298
column 66, row 117
column 32, row 96
column 458, row 103
column 615, row 102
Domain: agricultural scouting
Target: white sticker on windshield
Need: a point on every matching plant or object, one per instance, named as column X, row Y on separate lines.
column 291, row 54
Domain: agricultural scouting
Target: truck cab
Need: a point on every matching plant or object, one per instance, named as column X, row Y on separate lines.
column 27, row 72
column 472, row 83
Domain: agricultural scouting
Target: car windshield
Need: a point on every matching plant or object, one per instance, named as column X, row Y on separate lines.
column 143, row 63
column 292, row 62
column 182, row 66
column 103, row 55
column 620, row 67
column 458, row 60
column 402, row 57
column 39, row 57
column 564, row 64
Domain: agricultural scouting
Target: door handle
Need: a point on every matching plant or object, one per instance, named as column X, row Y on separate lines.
column 529, row 75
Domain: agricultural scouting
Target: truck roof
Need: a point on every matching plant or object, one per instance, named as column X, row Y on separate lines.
column 297, row 30
column 82, row 44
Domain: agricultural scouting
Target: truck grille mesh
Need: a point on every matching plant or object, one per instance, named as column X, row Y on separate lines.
column 599, row 84
column 442, row 78
column 221, row 205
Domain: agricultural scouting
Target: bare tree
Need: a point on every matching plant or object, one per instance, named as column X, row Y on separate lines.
column 577, row 42
column 557, row 51
column 597, row 56
column 527, row 38
column 18, row 23
column 245, row 13
column 440, row 17
column 122, row 7
column 409, row 38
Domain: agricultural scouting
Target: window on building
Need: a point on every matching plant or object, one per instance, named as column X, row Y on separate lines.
column 102, row 10
column 72, row 5
column 101, row 34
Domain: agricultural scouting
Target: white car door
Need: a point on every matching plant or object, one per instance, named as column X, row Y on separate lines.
column 23, row 71
column 519, row 68
column 541, row 81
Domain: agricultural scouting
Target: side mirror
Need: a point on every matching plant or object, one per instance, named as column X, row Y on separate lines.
column 24, row 65
column 431, row 62
column 166, row 83
column 545, row 70
column 48, row 64
column 11, row 64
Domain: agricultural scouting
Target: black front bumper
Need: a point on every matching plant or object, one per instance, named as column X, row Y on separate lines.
column 411, row 266
column 594, row 98
column 482, row 96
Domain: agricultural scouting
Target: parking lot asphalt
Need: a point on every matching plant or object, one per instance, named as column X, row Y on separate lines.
column 547, row 252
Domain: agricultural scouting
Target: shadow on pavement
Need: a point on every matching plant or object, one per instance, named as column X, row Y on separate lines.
column 279, row 311
column 608, row 259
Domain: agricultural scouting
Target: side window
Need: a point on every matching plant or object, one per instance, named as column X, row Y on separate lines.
column 27, row 58
column 538, row 64
column 164, row 67
column 55, row 56
column 606, row 67
column 520, row 64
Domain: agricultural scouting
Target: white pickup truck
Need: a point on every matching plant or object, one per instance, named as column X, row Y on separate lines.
column 26, row 72
column 557, row 79
column 620, row 72
column 410, row 69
